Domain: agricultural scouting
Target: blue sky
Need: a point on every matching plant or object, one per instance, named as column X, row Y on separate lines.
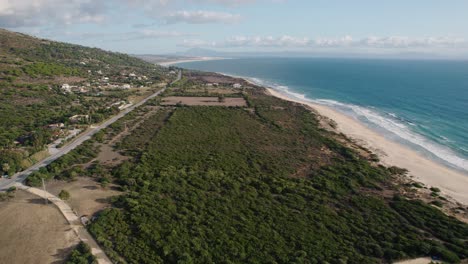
column 319, row 26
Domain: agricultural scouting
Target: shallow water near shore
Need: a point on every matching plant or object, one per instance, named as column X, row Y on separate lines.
column 420, row 104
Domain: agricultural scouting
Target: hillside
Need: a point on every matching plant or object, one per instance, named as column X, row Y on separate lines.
column 49, row 90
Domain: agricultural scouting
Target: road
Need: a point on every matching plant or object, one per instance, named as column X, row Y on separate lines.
column 20, row 177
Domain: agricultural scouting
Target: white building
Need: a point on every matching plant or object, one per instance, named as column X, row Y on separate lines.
column 237, row 85
column 66, row 88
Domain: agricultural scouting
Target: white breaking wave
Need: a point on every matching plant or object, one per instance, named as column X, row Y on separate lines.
column 388, row 124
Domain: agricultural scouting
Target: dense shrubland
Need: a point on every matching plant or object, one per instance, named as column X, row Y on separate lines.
column 215, row 185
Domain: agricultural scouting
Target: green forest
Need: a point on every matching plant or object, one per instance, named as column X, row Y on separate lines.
column 231, row 185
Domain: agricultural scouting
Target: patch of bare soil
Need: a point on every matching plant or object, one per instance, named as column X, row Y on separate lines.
column 208, row 101
column 32, row 232
column 87, row 197
column 69, row 79
column 109, row 157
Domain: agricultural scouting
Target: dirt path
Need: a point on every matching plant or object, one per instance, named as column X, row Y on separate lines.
column 73, row 220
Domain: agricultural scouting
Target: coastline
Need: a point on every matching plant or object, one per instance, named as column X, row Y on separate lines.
column 170, row 63
column 452, row 183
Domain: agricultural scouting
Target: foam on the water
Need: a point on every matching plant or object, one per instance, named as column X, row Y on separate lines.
column 390, row 123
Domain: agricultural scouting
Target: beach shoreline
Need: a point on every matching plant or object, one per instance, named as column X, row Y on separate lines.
column 170, row 63
column 452, row 183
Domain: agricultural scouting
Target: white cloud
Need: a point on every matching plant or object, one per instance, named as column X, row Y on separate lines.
column 19, row 13
column 195, row 43
column 269, row 41
column 343, row 42
column 35, row 13
column 200, row 17
column 125, row 36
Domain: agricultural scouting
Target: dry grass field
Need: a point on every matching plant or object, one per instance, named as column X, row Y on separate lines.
column 33, row 232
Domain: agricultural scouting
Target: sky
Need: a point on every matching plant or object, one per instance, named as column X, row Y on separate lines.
column 315, row 26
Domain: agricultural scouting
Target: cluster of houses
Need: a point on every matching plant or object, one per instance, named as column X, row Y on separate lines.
column 104, row 82
column 66, row 88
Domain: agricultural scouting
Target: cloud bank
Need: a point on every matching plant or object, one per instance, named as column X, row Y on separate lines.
column 344, row 42
column 35, row 13
column 201, row 17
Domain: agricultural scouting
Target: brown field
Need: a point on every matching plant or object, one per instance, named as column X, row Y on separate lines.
column 208, row 101
column 207, row 77
column 87, row 196
column 109, row 157
column 33, row 232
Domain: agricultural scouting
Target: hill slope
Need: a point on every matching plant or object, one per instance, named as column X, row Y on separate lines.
column 44, row 83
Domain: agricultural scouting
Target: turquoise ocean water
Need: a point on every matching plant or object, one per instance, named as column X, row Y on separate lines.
column 421, row 104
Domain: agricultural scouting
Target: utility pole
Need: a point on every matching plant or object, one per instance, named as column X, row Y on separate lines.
column 45, row 192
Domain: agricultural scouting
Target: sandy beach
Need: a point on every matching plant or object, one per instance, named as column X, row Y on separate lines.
column 169, row 63
column 452, row 183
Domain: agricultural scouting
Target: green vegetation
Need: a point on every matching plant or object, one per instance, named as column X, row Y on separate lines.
column 50, row 69
column 64, row 195
column 32, row 72
column 81, row 255
column 68, row 166
column 225, row 185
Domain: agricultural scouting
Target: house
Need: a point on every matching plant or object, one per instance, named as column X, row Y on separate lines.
column 237, row 85
column 105, row 79
column 126, row 86
column 133, row 75
column 79, row 118
column 55, row 126
column 66, row 88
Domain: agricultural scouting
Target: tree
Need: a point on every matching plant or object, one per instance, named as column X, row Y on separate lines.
column 6, row 167
column 64, row 195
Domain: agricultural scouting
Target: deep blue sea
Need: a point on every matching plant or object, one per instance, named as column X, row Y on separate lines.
column 421, row 104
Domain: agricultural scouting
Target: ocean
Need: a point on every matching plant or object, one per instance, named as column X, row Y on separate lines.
column 420, row 104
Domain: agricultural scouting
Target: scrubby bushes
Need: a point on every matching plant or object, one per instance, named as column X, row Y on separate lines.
column 81, row 255
column 223, row 185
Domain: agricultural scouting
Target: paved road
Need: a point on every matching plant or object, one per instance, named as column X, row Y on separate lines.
column 20, row 177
